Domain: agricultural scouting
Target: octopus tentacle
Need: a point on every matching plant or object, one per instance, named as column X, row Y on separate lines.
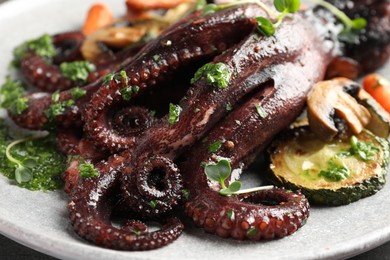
column 47, row 76
column 147, row 70
column 72, row 144
column 154, row 187
column 42, row 75
column 253, row 61
column 35, row 117
column 67, row 46
column 281, row 102
column 90, row 210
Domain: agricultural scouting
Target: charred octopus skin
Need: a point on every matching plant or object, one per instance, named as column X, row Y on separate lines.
column 148, row 160
column 274, row 73
column 264, row 67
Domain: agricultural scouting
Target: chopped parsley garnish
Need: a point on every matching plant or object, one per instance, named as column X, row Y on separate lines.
column 186, row 194
column 174, row 113
column 229, row 107
column 127, row 92
column 217, row 74
column 252, row 232
column 87, row 170
column 77, row 93
column 109, row 77
column 215, row 146
column 11, row 93
column 123, row 74
column 156, row 57
column 137, row 232
column 57, row 108
column 42, row 46
column 77, row 71
column 20, row 105
column 364, row 151
column 153, row 204
column 335, row 172
column 230, row 214
column 33, row 162
column 261, row 111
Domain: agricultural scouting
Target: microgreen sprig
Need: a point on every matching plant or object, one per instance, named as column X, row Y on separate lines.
column 356, row 24
column 212, row 8
column 23, row 170
column 350, row 25
column 220, row 171
column 285, row 7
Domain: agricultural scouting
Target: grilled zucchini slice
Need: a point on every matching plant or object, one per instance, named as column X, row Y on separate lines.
column 330, row 173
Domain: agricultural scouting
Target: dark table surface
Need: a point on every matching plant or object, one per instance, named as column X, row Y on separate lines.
column 10, row 250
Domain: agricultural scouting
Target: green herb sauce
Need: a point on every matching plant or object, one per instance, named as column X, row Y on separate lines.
column 39, row 163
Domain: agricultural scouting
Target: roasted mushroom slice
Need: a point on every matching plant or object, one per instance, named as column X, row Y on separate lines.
column 380, row 119
column 331, row 98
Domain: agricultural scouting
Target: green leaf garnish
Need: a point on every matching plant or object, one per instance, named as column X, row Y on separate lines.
column 156, row 57
column 215, row 146
column 174, row 113
column 127, row 92
column 351, row 27
column 358, row 23
column 335, row 172
column 42, row 46
column 265, row 26
column 136, row 232
column 232, row 189
column 230, row 214
column 77, row 71
column 229, row 107
column 153, row 204
column 23, row 174
column 200, row 4
column 19, row 105
column 364, row 151
column 261, row 111
column 108, row 78
column 186, row 194
column 218, row 172
column 252, row 232
column 77, row 93
column 217, row 74
column 58, row 108
column 87, row 170
column 285, row 7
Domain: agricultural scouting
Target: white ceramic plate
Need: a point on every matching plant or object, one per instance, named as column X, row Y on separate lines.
column 39, row 220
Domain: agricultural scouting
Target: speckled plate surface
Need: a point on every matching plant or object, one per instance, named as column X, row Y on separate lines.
column 39, row 220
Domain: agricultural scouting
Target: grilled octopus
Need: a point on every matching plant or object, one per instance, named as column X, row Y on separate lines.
column 146, row 161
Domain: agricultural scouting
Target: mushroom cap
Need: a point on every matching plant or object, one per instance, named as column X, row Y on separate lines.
column 330, row 98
